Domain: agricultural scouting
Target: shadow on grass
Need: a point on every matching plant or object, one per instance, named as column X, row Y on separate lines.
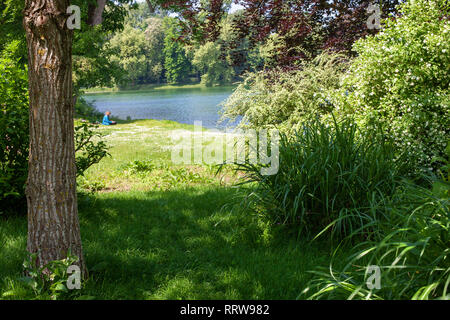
column 177, row 244
column 180, row 245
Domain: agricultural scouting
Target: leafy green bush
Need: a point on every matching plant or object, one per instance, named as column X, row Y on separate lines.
column 401, row 78
column 49, row 281
column 286, row 98
column 13, row 129
column 413, row 254
column 89, row 148
column 329, row 176
column 90, row 186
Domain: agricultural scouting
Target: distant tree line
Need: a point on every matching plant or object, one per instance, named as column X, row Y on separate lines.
column 152, row 48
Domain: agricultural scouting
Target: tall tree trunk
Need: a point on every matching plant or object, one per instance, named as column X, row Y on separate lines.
column 151, row 7
column 95, row 13
column 53, row 226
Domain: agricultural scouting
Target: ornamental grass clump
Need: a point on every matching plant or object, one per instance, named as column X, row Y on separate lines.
column 331, row 177
column 412, row 256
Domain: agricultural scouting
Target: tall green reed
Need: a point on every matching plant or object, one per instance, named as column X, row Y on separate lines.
column 330, row 176
column 413, row 254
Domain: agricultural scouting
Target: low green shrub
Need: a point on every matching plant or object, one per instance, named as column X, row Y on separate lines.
column 47, row 282
column 329, row 177
column 89, row 146
column 90, row 186
column 139, row 166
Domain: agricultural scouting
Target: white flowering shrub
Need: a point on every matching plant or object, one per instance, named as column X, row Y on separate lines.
column 401, row 78
column 286, row 99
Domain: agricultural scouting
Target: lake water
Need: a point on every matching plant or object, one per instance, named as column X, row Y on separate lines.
column 184, row 105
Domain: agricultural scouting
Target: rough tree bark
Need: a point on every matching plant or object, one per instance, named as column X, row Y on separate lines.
column 53, row 226
column 95, row 13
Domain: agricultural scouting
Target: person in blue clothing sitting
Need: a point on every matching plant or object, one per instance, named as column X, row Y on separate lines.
column 106, row 120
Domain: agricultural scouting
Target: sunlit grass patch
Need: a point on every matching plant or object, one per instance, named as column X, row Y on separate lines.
column 155, row 230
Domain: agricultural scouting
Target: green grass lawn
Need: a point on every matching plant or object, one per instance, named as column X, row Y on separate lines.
column 168, row 232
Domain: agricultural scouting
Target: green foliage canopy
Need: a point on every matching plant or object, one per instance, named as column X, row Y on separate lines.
column 176, row 62
column 13, row 126
column 208, row 60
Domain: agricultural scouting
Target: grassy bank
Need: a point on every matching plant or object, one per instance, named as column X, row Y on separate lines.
column 154, row 230
column 148, row 87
